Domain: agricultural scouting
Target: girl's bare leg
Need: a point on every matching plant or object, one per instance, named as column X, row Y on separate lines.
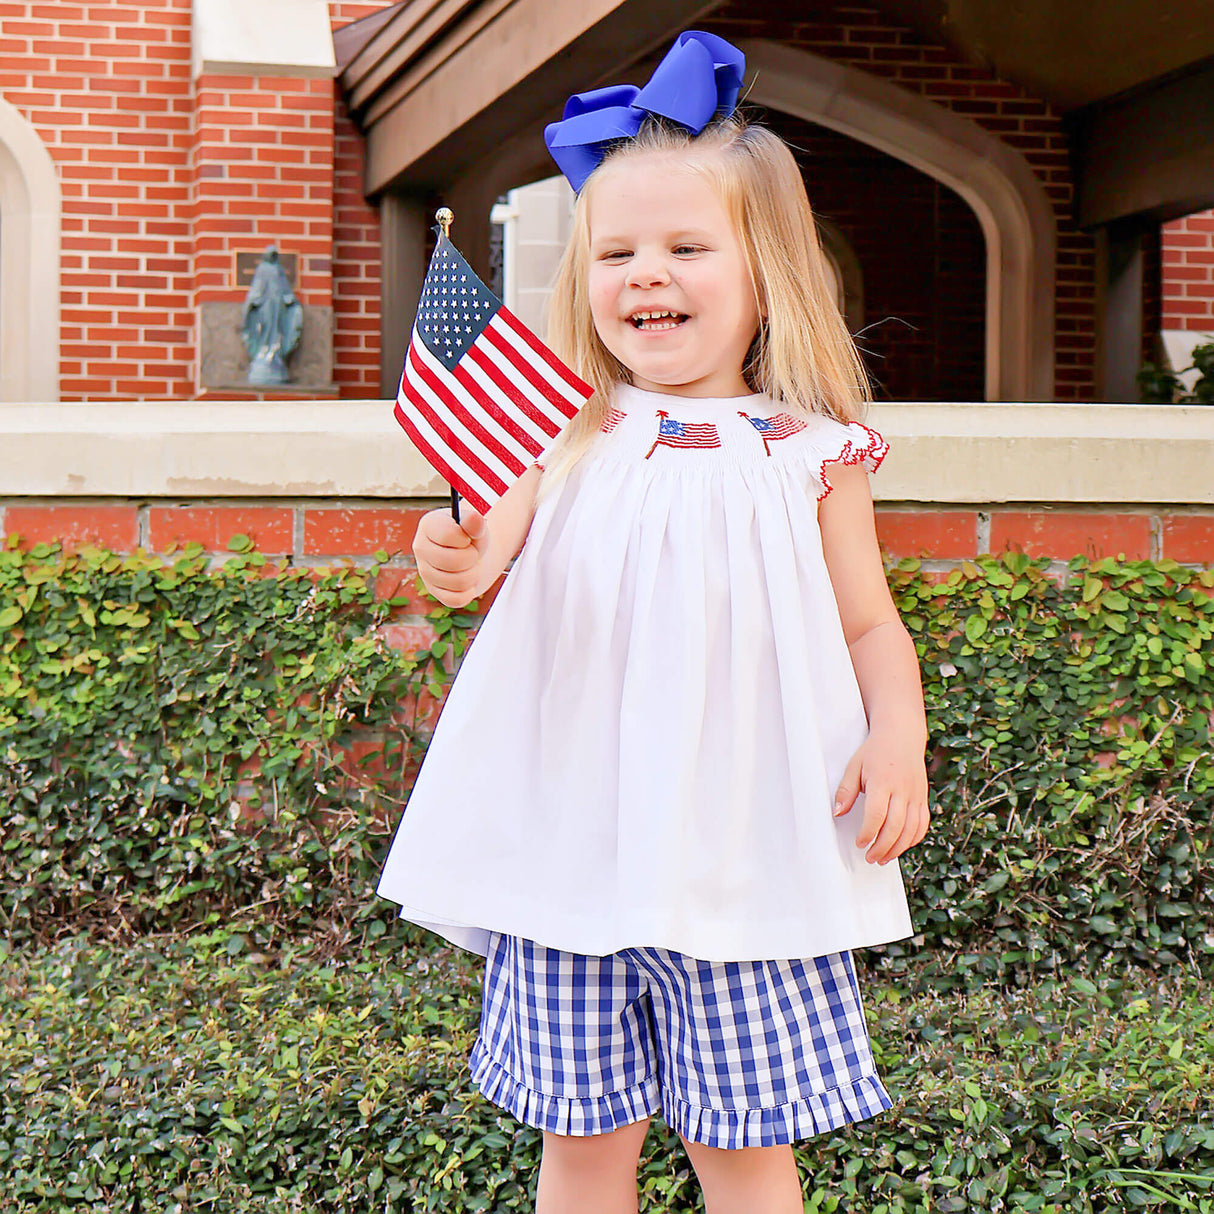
column 751, row 1180
column 596, row 1174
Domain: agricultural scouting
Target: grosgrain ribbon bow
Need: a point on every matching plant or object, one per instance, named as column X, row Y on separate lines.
column 699, row 77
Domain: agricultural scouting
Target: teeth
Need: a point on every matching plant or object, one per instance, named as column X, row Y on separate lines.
column 654, row 315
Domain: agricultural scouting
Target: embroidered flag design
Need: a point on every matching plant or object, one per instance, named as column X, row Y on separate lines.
column 613, row 419
column 683, row 434
column 782, row 425
column 480, row 395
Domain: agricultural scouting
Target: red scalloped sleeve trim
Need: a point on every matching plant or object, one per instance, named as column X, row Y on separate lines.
column 870, row 453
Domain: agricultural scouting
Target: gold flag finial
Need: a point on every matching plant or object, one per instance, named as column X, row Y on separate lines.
column 444, row 215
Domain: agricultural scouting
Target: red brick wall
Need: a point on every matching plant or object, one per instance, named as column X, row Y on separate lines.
column 324, row 535
column 857, row 33
column 326, row 532
column 152, row 210
column 356, row 268
column 1188, row 273
column 356, row 245
column 108, row 90
column 262, row 173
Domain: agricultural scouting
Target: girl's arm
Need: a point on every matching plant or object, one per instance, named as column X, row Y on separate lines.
column 460, row 561
column 889, row 767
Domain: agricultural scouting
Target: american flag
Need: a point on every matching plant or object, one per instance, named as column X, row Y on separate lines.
column 683, row 434
column 613, row 419
column 782, row 425
column 481, row 397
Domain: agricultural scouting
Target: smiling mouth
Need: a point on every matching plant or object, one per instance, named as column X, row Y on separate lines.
column 654, row 321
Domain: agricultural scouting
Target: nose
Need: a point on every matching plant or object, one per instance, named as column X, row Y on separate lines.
column 647, row 269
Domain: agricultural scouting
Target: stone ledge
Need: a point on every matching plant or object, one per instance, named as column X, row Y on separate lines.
column 944, row 453
column 265, row 38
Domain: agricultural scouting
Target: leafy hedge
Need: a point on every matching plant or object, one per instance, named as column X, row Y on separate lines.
column 1070, row 728
column 173, row 1076
column 145, row 706
column 1072, row 766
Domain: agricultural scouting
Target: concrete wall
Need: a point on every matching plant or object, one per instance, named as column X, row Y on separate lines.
column 537, row 220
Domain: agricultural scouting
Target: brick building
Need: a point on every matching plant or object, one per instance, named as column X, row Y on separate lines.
column 978, row 182
column 168, row 161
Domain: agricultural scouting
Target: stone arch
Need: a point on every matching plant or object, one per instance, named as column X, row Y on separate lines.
column 30, row 208
column 997, row 182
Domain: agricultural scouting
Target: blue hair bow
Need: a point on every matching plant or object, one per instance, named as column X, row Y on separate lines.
column 700, row 76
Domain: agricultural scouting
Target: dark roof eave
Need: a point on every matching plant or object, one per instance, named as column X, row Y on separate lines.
column 349, row 40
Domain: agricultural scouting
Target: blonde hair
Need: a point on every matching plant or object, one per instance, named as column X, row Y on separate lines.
column 802, row 357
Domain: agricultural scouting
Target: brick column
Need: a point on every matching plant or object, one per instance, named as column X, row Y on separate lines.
column 262, row 174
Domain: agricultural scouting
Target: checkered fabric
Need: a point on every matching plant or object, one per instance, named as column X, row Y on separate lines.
column 732, row 1054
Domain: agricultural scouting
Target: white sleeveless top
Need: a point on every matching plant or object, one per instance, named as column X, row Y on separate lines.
column 643, row 742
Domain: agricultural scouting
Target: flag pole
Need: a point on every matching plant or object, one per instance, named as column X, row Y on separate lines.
column 444, row 216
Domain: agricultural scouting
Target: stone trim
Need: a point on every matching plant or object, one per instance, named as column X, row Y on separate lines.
column 950, row 452
column 263, row 38
column 30, row 209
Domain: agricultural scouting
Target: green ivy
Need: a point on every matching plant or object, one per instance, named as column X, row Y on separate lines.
column 135, row 692
column 1071, row 765
column 1070, row 751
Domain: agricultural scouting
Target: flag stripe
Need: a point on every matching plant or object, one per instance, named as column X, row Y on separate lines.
column 451, row 440
column 543, row 409
column 460, row 416
column 436, row 441
column 437, row 462
column 466, row 478
column 492, row 373
column 528, row 367
column 527, row 346
column 579, row 386
column 550, row 397
column 480, row 413
column 486, row 402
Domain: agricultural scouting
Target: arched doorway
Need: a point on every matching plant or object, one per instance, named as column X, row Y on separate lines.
column 1011, row 206
column 920, row 321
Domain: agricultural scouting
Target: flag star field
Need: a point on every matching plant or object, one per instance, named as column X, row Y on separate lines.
column 454, row 308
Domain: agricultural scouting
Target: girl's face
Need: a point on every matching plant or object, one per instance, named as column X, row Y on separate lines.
column 670, row 292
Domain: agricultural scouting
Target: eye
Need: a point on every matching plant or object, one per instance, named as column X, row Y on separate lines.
column 682, row 249
column 614, row 254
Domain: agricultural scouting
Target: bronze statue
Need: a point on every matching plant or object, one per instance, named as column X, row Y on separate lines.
column 270, row 322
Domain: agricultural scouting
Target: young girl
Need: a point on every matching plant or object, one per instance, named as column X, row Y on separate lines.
column 670, row 783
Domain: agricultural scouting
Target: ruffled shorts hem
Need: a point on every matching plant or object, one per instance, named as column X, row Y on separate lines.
column 727, row 1128
column 811, row 1115
column 574, row 1116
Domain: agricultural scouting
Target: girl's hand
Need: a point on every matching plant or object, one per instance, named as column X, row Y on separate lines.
column 892, row 775
column 450, row 555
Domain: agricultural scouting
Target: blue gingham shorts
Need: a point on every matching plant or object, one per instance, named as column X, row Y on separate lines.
column 732, row 1054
